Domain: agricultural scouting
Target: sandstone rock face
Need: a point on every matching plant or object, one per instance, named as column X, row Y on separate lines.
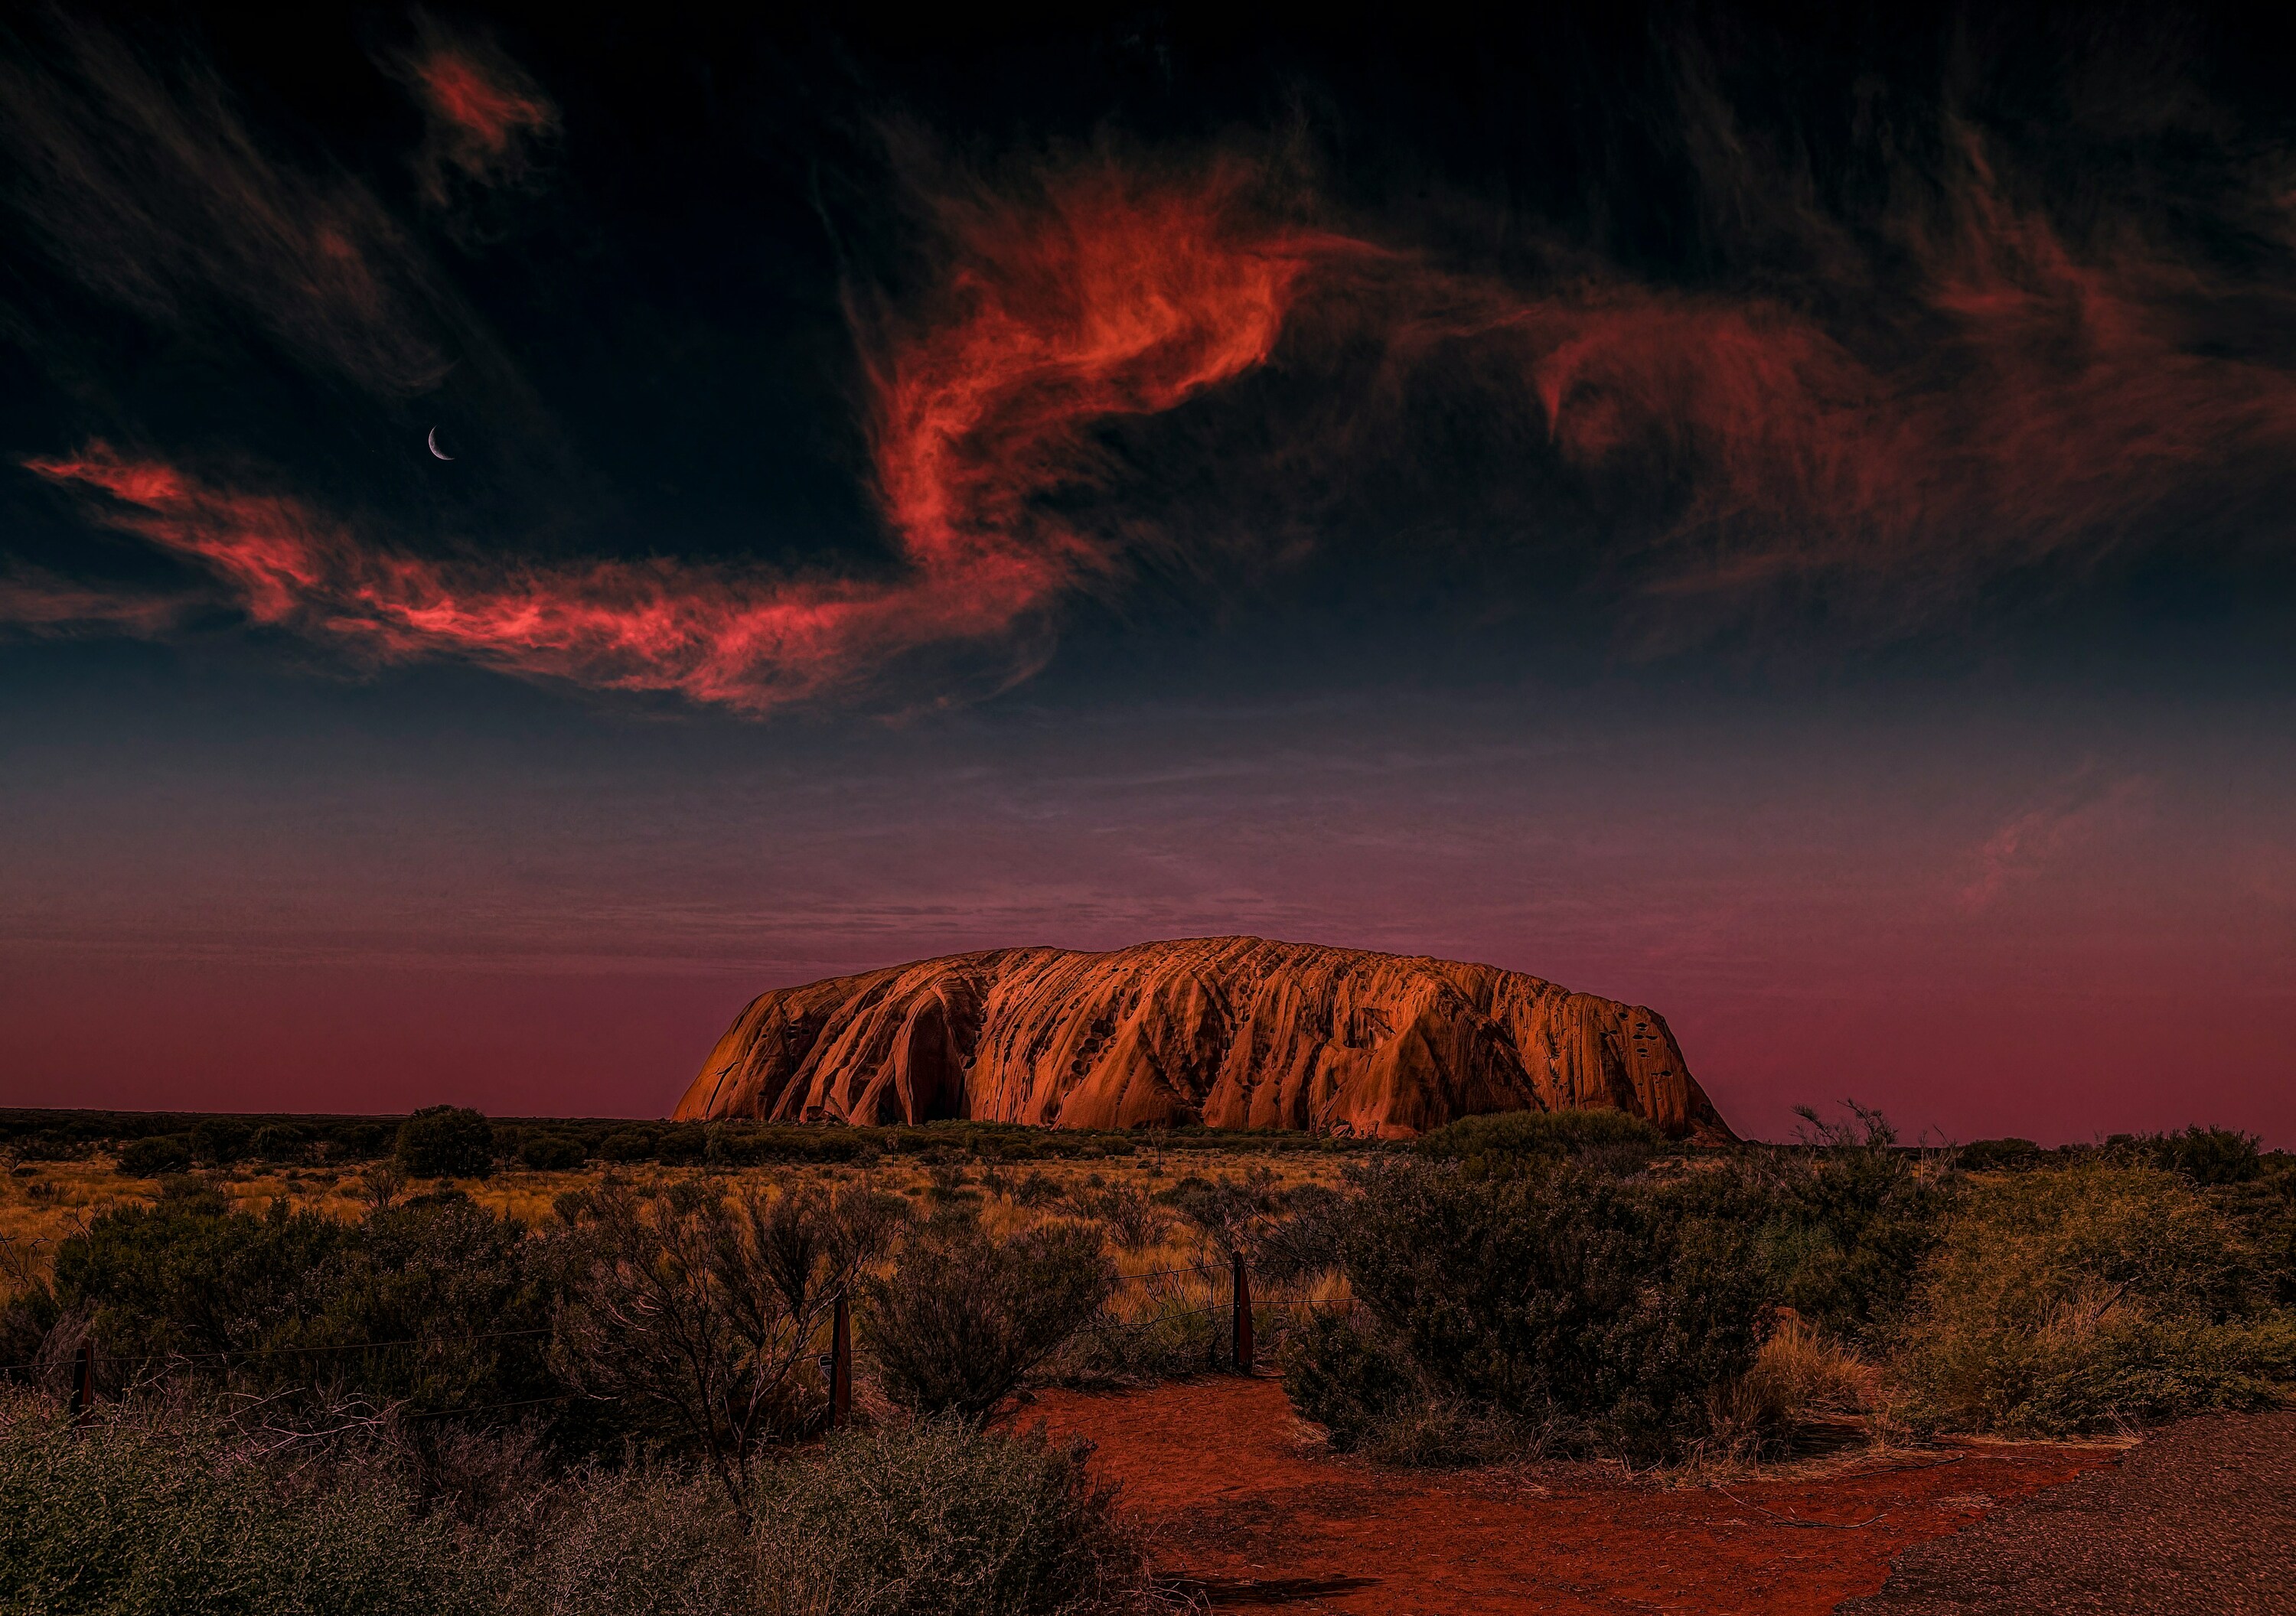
column 1228, row 1031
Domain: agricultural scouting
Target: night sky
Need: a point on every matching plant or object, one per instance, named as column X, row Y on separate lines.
column 1781, row 516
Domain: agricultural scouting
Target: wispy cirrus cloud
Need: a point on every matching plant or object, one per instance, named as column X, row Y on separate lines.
column 150, row 187
column 40, row 603
column 744, row 639
column 1072, row 295
column 1099, row 295
column 484, row 119
column 1996, row 398
column 2088, row 817
column 1959, row 383
column 1960, row 388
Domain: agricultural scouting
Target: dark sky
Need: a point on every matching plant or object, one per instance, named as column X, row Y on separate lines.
column 1779, row 515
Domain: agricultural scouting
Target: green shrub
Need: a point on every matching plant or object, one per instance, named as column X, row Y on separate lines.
column 682, row 1146
column 125, row 1517
column 279, row 1142
column 361, row 1141
column 445, row 1142
column 942, row 1519
column 643, row 1541
column 1365, row 1391
column 627, row 1145
column 704, row 1314
column 1843, row 1228
column 1112, row 1351
column 2209, row 1155
column 187, row 1276
column 189, row 1279
column 551, row 1152
column 1499, row 1140
column 152, row 1512
column 1038, row 1189
column 963, row 1317
column 449, row 1273
column 1999, row 1156
column 220, row 1140
column 1341, row 1376
column 1607, row 1311
column 149, row 1158
column 1303, row 1244
column 2069, row 1300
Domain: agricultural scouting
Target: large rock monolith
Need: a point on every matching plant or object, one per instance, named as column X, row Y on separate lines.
column 1228, row 1031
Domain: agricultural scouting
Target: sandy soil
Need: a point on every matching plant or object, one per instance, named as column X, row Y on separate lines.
column 2201, row 1519
column 1256, row 1516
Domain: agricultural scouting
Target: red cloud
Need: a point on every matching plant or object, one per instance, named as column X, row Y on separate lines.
column 2052, row 405
column 41, row 604
column 1104, row 296
column 1103, row 293
column 2028, row 845
column 1999, row 399
column 2024, row 402
column 484, row 114
column 742, row 639
column 1993, row 400
column 153, row 190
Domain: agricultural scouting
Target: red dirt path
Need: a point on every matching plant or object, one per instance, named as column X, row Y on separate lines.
column 1255, row 1516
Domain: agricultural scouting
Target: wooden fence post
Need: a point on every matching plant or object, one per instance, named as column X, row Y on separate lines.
column 83, row 1398
column 1242, row 1313
column 840, row 1364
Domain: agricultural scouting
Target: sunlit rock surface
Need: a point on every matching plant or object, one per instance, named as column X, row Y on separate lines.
column 1228, row 1031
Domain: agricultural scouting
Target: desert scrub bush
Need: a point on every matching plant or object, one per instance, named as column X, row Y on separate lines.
column 1500, row 1142
column 220, row 1140
column 246, row 1299
column 2069, row 1300
column 1113, row 1349
column 705, row 1310
column 1348, row 1378
column 1133, row 1221
column 551, row 1152
column 950, row 1186
column 1603, row 1313
column 149, row 1158
column 2010, row 1154
column 1804, row 1378
column 963, row 1317
column 442, row 1142
column 1361, row 1385
column 647, row 1540
column 138, row 1514
column 1843, row 1228
column 188, row 1277
column 940, row 1518
column 279, row 1142
column 1301, row 1246
column 2208, row 1155
column 1038, row 1189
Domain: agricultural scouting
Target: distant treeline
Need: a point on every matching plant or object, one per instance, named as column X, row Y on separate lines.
column 456, row 1141
column 168, row 1140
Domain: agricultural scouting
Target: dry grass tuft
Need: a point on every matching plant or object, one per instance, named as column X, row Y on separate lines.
column 1804, row 1392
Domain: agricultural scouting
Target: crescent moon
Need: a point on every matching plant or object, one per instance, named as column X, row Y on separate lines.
column 433, row 441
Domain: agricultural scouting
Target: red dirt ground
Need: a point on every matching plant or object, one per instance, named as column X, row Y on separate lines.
column 1248, row 1511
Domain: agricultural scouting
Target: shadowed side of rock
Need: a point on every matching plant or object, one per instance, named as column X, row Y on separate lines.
column 1228, row 1031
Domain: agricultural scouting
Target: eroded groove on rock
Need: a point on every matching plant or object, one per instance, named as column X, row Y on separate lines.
column 1229, row 1032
